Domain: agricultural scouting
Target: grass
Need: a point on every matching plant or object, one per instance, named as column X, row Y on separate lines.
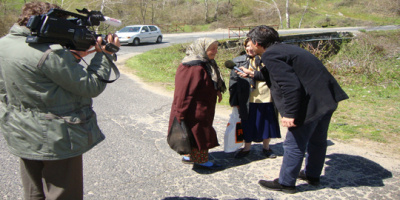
column 368, row 71
column 371, row 112
column 339, row 13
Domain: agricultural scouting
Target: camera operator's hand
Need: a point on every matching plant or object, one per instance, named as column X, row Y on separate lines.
column 110, row 38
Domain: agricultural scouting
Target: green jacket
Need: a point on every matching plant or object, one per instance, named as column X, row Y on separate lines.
column 46, row 112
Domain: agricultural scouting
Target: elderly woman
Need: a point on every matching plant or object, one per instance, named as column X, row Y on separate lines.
column 198, row 83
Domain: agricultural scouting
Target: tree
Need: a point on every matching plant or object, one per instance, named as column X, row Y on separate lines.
column 287, row 15
column 277, row 10
column 206, row 11
column 216, row 11
column 279, row 14
column 143, row 10
column 305, row 10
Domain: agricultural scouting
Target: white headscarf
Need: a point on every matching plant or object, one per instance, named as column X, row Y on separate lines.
column 197, row 51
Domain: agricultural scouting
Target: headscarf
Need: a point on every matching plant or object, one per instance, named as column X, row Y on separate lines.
column 196, row 52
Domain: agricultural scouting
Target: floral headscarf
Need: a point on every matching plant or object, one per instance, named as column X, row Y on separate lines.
column 197, row 52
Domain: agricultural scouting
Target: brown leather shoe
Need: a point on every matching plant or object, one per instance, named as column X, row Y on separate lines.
column 276, row 186
column 310, row 180
column 269, row 153
column 242, row 154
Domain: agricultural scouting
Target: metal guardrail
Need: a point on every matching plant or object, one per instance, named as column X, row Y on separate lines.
column 172, row 28
column 238, row 32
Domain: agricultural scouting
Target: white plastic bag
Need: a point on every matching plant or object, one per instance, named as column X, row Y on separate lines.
column 233, row 138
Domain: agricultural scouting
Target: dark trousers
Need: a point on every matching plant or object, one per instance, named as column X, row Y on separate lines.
column 311, row 137
column 58, row 179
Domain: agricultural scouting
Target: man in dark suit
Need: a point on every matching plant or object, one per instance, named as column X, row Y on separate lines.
column 306, row 95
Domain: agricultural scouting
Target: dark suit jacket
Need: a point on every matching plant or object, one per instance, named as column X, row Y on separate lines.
column 301, row 86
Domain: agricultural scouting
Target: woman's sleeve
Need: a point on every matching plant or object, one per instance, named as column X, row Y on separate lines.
column 187, row 80
column 233, row 89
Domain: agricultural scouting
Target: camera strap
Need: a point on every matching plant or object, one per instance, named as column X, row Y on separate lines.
column 44, row 57
column 113, row 66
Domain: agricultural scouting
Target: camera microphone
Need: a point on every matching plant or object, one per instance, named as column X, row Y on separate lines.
column 231, row 65
column 112, row 22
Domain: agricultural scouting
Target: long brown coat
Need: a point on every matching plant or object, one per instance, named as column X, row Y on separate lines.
column 194, row 99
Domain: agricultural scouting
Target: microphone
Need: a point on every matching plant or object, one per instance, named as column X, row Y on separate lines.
column 231, row 65
column 112, row 21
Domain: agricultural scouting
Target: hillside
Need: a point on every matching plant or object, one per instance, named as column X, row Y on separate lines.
column 199, row 15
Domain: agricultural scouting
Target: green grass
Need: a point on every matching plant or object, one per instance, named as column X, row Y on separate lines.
column 196, row 28
column 339, row 13
column 371, row 112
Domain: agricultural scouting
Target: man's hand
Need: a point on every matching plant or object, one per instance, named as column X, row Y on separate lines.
column 288, row 122
column 247, row 72
column 110, row 38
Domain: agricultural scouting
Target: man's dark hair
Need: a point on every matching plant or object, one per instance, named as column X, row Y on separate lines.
column 264, row 35
column 34, row 8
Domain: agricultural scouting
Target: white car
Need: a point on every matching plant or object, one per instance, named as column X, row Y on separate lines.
column 136, row 34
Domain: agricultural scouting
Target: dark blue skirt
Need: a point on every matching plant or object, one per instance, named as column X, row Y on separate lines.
column 261, row 124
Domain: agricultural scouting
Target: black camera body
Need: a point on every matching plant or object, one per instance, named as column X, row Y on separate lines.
column 55, row 27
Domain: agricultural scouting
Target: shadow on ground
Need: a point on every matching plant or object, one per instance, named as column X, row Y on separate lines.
column 341, row 170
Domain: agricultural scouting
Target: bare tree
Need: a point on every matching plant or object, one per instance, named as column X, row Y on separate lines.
column 279, row 13
column 305, row 10
column 154, row 6
column 143, row 9
column 287, row 14
column 206, row 11
column 277, row 10
column 216, row 11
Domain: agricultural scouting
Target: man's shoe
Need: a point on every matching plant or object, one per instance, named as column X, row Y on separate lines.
column 310, row 180
column 269, row 153
column 242, row 154
column 214, row 166
column 275, row 185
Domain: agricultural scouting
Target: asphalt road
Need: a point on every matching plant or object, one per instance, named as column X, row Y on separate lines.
column 135, row 161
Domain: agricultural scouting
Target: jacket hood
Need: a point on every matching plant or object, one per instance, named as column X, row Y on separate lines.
column 20, row 30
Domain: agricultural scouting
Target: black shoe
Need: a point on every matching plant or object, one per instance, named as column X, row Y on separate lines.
column 187, row 161
column 310, row 180
column 242, row 154
column 275, row 185
column 269, row 153
column 212, row 167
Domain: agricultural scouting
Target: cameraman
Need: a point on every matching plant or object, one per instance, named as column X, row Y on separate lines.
column 46, row 111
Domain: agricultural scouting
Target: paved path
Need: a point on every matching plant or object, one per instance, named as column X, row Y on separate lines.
column 135, row 161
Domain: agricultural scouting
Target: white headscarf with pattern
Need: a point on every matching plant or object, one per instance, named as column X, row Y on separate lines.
column 197, row 51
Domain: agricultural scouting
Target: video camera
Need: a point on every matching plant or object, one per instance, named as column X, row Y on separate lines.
column 56, row 27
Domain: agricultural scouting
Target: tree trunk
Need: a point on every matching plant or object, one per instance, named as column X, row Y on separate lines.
column 279, row 14
column 143, row 10
column 287, row 15
column 305, row 10
column 216, row 11
column 206, row 11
